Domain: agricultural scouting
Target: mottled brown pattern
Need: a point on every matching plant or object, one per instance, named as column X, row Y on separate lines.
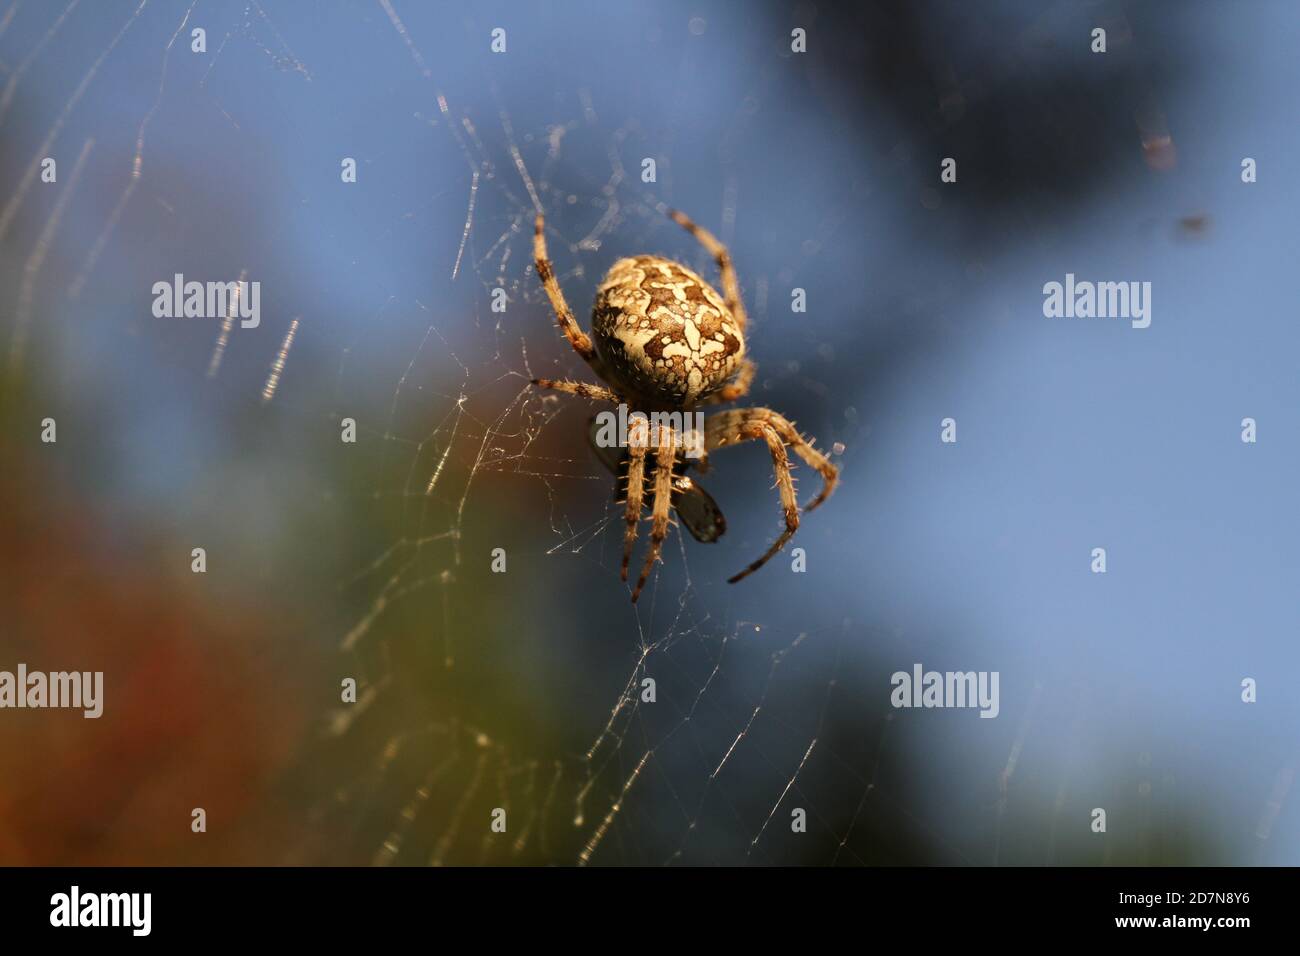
column 664, row 332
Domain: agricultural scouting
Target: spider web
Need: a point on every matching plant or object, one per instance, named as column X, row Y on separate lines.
column 655, row 782
column 525, row 691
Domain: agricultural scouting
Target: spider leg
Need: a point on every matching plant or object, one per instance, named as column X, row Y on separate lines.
column 725, row 427
column 579, row 339
column 661, row 503
column 730, row 284
column 810, row 455
column 581, row 389
column 747, row 424
column 784, row 484
column 737, row 388
column 636, row 447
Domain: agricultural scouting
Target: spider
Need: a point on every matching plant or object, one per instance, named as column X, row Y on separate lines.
column 666, row 341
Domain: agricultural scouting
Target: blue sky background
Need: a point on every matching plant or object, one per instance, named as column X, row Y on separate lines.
column 925, row 302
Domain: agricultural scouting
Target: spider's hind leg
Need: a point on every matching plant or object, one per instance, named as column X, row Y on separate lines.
column 579, row 339
column 730, row 284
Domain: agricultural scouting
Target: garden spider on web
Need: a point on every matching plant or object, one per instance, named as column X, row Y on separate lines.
column 666, row 342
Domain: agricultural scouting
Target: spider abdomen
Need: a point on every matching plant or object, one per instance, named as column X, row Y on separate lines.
column 665, row 333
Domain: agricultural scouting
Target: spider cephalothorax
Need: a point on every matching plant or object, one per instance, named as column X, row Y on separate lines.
column 666, row 341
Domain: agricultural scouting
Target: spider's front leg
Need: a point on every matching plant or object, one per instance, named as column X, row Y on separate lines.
column 724, row 429
column 637, row 445
column 579, row 339
column 665, row 441
column 785, row 486
column 749, row 424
